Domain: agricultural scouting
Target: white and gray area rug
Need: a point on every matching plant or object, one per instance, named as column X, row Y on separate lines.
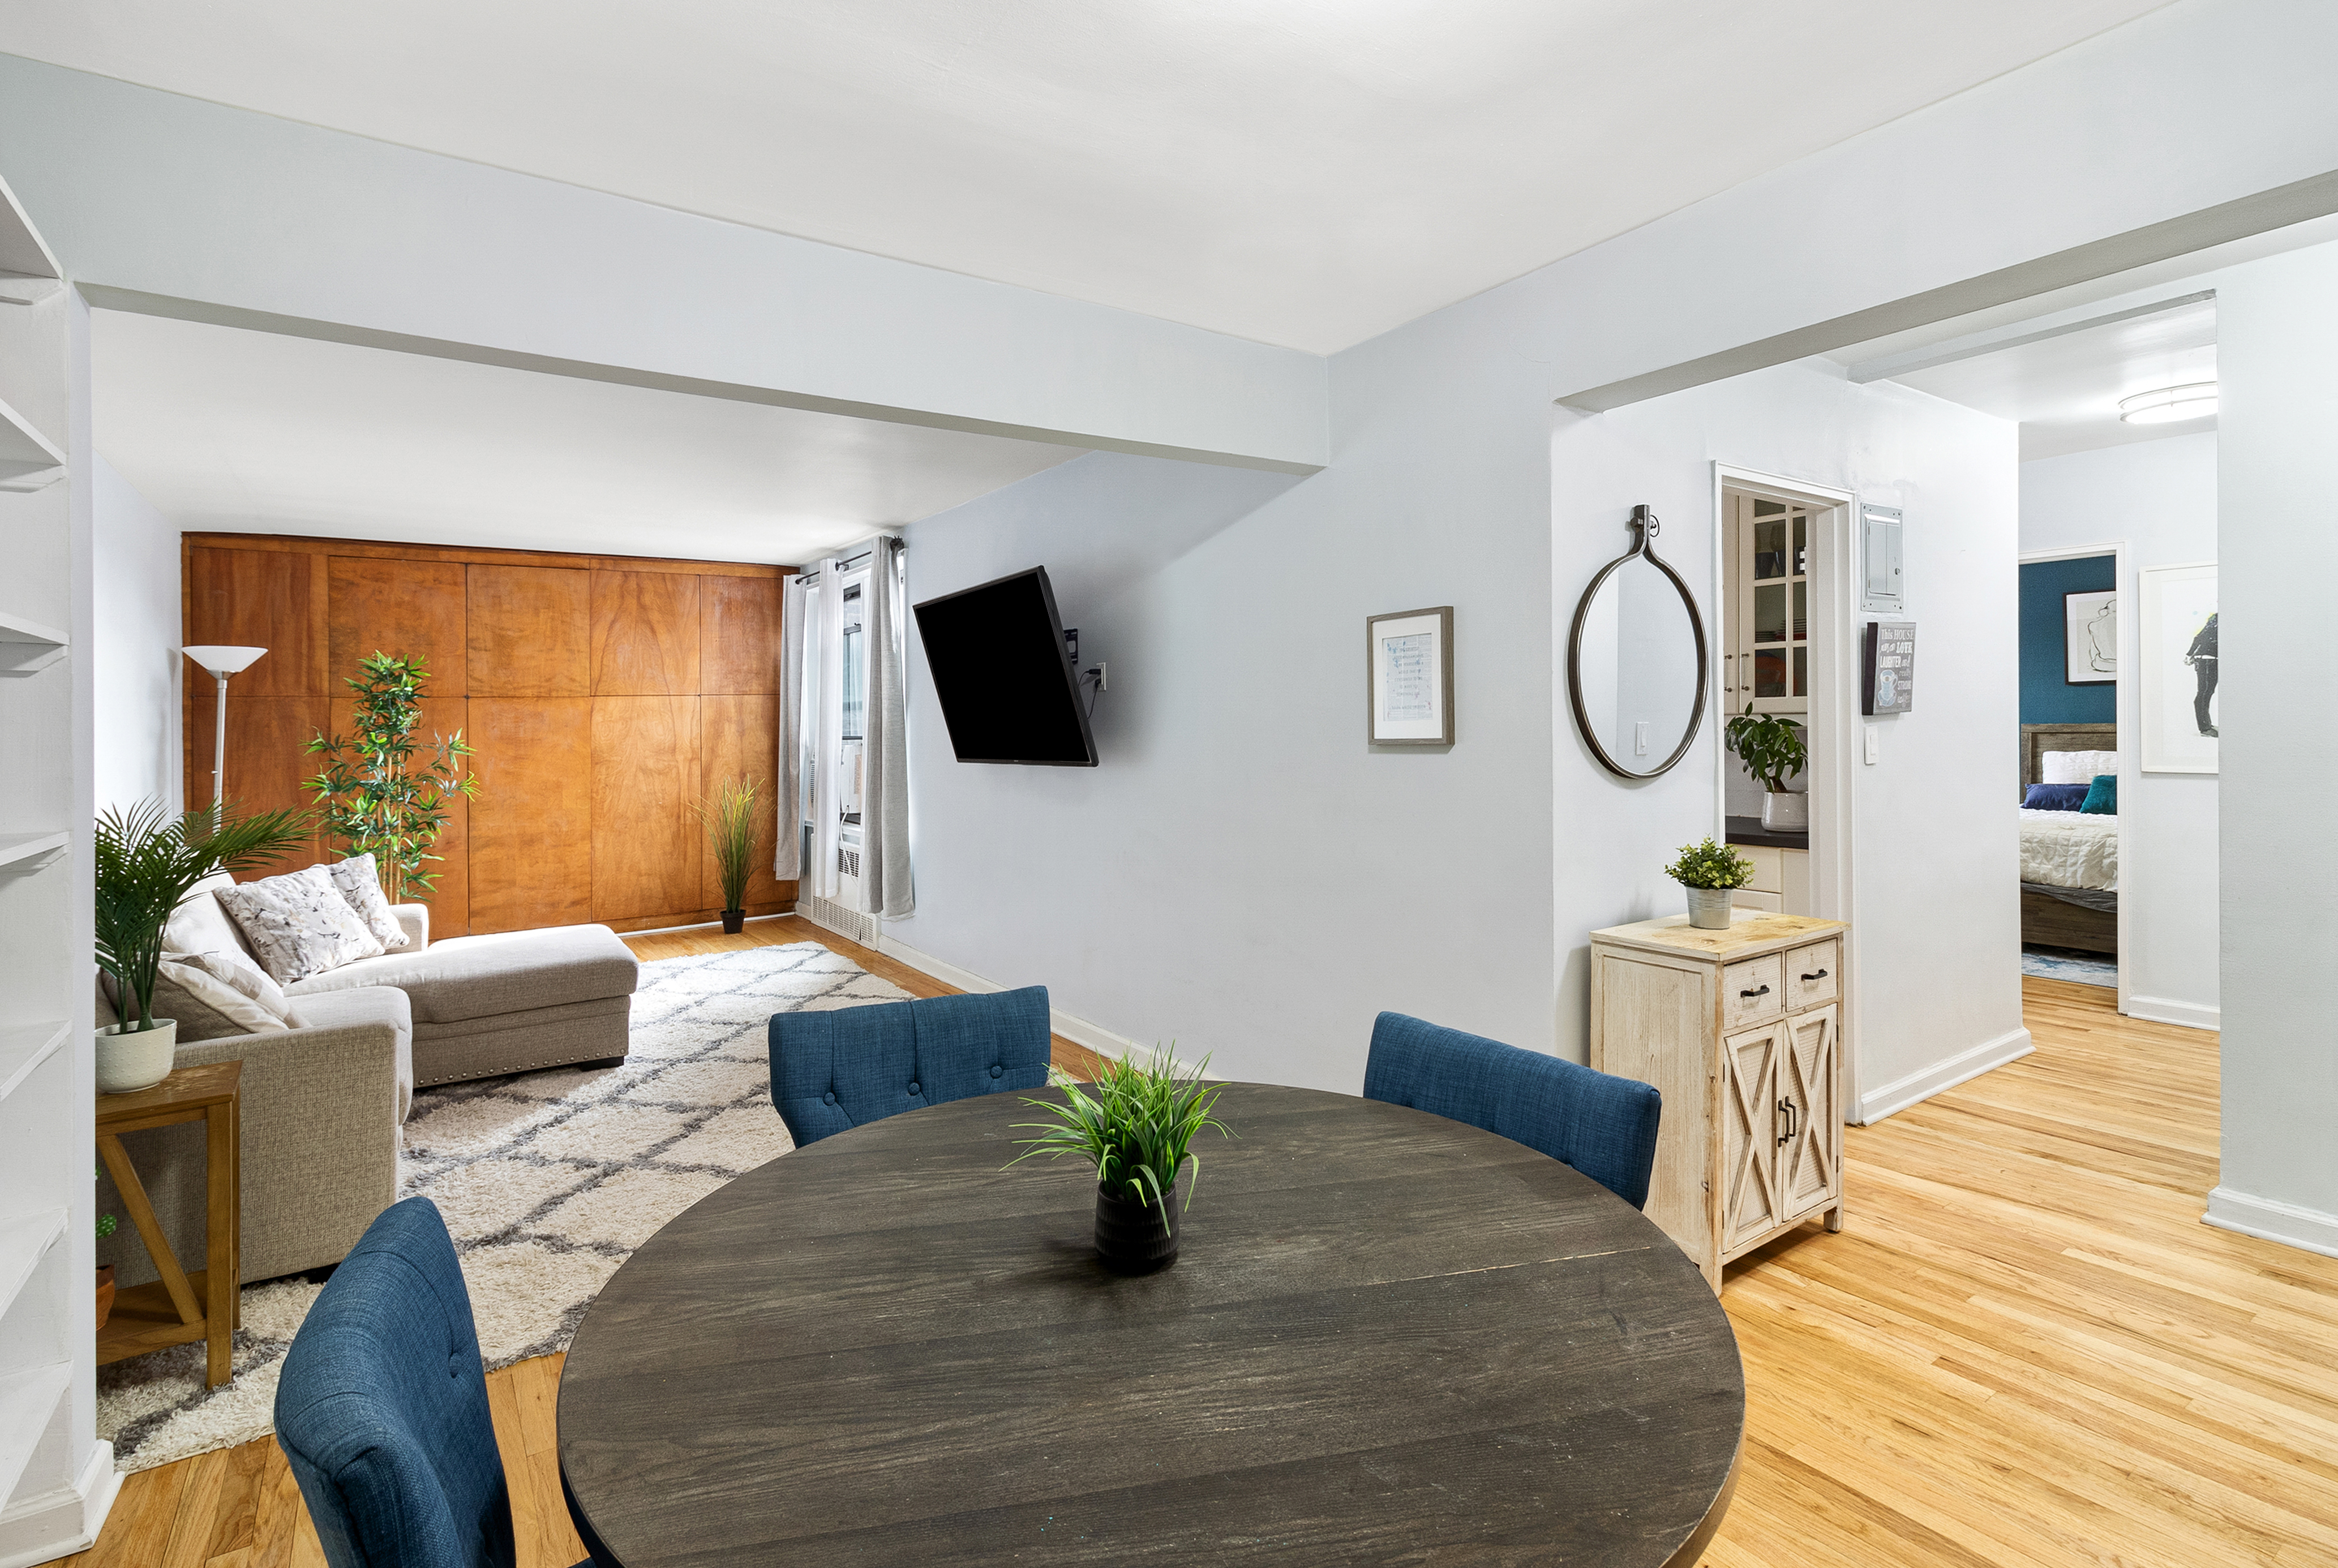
column 548, row 1181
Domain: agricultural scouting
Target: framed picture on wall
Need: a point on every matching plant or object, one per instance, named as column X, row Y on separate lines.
column 2090, row 638
column 1408, row 682
column 2179, row 669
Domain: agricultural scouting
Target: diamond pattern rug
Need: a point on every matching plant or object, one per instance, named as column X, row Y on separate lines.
column 547, row 1181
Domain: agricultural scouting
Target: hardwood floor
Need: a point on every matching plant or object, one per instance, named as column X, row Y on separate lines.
column 2023, row 1349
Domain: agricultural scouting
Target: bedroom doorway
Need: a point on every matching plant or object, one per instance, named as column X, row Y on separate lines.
column 2074, row 618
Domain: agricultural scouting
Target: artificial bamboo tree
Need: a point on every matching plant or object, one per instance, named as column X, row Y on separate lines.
column 375, row 797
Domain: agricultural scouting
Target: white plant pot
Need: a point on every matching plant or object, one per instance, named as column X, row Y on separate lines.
column 1708, row 907
column 1786, row 812
column 128, row 1063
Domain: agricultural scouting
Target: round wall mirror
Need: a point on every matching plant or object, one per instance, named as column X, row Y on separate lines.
column 1635, row 661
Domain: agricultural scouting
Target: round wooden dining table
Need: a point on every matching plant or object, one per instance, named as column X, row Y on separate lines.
column 1387, row 1337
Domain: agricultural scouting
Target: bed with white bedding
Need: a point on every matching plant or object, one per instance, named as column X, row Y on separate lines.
column 2069, row 860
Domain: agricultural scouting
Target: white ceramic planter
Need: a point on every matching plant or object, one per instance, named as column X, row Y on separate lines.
column 1708, row 907
column 127, row 1063
column 1786, row 812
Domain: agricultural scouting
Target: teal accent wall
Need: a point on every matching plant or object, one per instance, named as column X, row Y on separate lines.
column 2046, row 697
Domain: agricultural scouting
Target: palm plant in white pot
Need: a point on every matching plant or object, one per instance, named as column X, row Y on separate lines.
column 147, row 862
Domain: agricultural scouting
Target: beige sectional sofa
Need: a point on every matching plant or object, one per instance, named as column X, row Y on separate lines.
column 323, row 1105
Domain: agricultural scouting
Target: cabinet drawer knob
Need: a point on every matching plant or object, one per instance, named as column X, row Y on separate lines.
column 1820, row 976
column 1763, row 992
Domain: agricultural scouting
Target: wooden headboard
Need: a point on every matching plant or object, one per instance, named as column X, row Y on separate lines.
column 2037, row 739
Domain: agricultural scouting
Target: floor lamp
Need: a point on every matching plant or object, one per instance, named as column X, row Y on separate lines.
column 222, row 662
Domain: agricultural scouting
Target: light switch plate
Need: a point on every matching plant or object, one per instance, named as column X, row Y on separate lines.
column 1874, row 745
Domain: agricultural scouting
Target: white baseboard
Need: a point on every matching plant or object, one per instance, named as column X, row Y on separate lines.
column 2161, row 1010
column 66, row 1521
column 2273, row 1221
column 1877, row 1103
column 1094, row 1036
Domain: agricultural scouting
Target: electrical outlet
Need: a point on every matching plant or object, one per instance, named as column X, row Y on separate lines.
column 1102, row 678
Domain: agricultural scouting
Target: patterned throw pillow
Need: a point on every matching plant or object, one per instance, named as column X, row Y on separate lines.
column 299, row 925
column 360, row 884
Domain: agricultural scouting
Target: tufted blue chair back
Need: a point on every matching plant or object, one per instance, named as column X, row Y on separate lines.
column 382, row 1408
column 831, row 1071
column 1603, row 1125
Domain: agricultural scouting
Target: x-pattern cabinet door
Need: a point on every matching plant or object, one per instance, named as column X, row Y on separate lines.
column 1749, row 1133
column 1810, row 1156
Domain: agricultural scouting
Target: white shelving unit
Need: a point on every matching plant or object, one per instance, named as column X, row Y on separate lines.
column 56, row 1477
column 27, row 647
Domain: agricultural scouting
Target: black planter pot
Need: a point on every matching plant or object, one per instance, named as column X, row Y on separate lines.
column 734, row 922
column 1134, row 1238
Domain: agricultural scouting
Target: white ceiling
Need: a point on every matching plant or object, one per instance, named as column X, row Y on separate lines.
column 1308, row 172
column 250, row 432
column 2065, row 389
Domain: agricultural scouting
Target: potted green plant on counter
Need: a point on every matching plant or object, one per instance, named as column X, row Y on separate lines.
column 1711, row 872
column 147, row 862
column 1137, row 1129
column 375, row 797
column 1772, row 748
column 730, row 817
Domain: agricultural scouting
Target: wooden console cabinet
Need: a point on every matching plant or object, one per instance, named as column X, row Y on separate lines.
column 1741, row 1031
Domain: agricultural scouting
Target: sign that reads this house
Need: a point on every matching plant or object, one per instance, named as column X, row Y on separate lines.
column 1888, row 674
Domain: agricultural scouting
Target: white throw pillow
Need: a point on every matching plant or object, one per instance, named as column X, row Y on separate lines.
column 299, row 925
column 200, row 926
column 360, row 884
column 209, row 1008
column 236, row 970
column 2075, row 766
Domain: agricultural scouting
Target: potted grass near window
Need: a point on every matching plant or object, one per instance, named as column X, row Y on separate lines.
column 1711, row 872
column 730, row 817
column 1137, row 1129
column 147, row 862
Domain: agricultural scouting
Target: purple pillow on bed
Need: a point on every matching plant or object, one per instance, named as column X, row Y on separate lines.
column 2054, row 797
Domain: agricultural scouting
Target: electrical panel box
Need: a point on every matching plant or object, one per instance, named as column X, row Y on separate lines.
column 1883, row 588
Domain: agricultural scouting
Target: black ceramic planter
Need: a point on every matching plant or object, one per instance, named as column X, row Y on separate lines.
column 1134, row 1238
column 734, row 922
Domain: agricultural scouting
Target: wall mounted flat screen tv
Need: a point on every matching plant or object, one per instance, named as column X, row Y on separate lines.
column 997, row 657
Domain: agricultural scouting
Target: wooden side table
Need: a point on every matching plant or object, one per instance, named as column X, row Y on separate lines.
column 179, row 1307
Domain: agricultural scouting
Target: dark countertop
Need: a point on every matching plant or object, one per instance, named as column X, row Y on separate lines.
column 1748, row 831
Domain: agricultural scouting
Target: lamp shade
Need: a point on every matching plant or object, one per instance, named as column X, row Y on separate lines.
column 220, row 660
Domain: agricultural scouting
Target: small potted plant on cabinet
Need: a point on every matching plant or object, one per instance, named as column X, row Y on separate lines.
column 730, row 817
column 1711, row 872
column 1136, row 1129
column 147, row 862
column 1772, row 748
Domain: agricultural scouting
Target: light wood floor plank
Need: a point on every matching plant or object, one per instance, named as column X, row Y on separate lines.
column 2025, row 1350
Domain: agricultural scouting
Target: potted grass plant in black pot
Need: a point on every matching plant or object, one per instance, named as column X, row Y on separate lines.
column 729, row 815
column 1136, row 1128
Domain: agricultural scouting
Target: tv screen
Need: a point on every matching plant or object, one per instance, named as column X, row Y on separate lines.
column 1004, row 677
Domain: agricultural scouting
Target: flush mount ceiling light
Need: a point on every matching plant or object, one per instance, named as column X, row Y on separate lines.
column 2169, row 404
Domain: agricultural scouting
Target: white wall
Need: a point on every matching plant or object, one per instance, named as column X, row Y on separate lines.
column 135, row 656
column 1936, row 987
column 1244, row 874
column 2276, row 339
column 2160, row 498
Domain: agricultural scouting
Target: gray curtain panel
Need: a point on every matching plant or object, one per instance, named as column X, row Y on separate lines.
column 787, row 804
column 885, row 789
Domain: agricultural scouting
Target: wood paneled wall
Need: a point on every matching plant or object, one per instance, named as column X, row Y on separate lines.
column 605, row 695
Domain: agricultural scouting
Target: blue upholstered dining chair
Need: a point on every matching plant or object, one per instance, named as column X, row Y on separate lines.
column 1603, row 1125
column 382, row 1408
column 831, row 1071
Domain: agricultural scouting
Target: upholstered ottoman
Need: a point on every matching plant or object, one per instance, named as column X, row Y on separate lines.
column 505, row 1003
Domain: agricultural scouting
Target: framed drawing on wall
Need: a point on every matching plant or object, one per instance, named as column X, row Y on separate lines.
column 2090, row 638
column 1409, row 684
column 2179, row 669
